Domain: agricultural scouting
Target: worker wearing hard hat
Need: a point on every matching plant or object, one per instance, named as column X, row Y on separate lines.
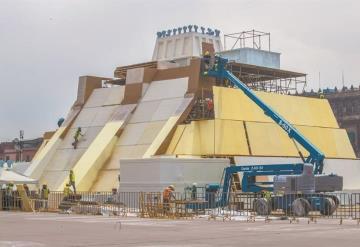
column 10, row 188
column 72, row 180
column 266, row 194
column 44, row 195
column 194, row 191
column 168, row 195
column 67, row 191
column 206, row 59
column 77, row 137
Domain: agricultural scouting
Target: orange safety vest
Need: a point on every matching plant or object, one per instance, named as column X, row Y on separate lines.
column 210, row 105
column 167, row 193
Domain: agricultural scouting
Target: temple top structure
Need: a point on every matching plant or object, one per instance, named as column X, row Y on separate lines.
column 183, row 42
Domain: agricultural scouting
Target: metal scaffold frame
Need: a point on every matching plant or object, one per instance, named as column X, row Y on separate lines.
column 242, row 39
column 269, row 80
column 258, row 77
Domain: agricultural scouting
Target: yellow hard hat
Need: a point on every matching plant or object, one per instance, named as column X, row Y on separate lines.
column 207, row 53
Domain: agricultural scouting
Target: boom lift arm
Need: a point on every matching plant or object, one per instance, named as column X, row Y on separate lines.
column 218, row 70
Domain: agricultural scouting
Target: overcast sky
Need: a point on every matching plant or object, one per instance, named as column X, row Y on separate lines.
column 46, row 45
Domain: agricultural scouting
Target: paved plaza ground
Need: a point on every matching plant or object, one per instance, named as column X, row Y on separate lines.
column 49, row 229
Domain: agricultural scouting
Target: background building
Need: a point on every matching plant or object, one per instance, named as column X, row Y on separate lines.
column 11, row 151
column 345, row 104
column 346, row 107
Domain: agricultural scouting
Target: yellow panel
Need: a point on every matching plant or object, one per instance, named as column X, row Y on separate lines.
column 199, row 138
column 230, row 103
column 230, row 138
column 175, row 139
column 268, row 139
column 206, row 130
column 334, row 143
column 185, row 144
column 87, row 168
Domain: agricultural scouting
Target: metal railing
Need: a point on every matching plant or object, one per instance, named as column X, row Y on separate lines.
column 187, row 205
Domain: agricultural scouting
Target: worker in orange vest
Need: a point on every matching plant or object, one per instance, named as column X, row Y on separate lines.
column 168, row 195
column 210, row 107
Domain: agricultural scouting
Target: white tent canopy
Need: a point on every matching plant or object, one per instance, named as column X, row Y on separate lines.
column 9, row 176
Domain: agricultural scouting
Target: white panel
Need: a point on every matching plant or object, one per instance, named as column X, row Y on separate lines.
column 103, row 115
column 85, row 117
column 116, row 96
column 170, row 49
column 178, row 47
column 151, row 130
column 197, row 45
column 64, row 159
column 144, row 111
column 166, row 89
column 154, row 174
column 131, row 134
column 187, row 46
column 166, row 109
column 161, row 50
column 98, row 97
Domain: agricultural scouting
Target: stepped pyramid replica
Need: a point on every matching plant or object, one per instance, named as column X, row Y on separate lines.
column 150, row 125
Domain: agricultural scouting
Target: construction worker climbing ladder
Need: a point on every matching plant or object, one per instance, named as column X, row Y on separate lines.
column 72, row 180
column 77, row 137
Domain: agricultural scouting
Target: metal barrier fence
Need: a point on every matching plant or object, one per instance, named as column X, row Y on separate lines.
column 152, row 204
column 10, row 200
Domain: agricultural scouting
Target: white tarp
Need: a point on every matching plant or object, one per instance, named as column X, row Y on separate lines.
column 9, row 176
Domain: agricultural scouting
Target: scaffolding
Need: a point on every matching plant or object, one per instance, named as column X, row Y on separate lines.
column 268, row 79
column 258, row 77
column 252, row 38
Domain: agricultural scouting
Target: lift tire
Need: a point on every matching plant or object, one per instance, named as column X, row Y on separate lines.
column 328, row 207
column 336, row 200
column 262, row 206
column 300, row 207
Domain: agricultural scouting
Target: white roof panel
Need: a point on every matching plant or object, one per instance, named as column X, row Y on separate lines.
column 166, row 89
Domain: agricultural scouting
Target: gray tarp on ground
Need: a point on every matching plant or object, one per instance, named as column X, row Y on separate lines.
column 9, row 176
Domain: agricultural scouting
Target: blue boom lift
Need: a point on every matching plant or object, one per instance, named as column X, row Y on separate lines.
column 301, row 185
